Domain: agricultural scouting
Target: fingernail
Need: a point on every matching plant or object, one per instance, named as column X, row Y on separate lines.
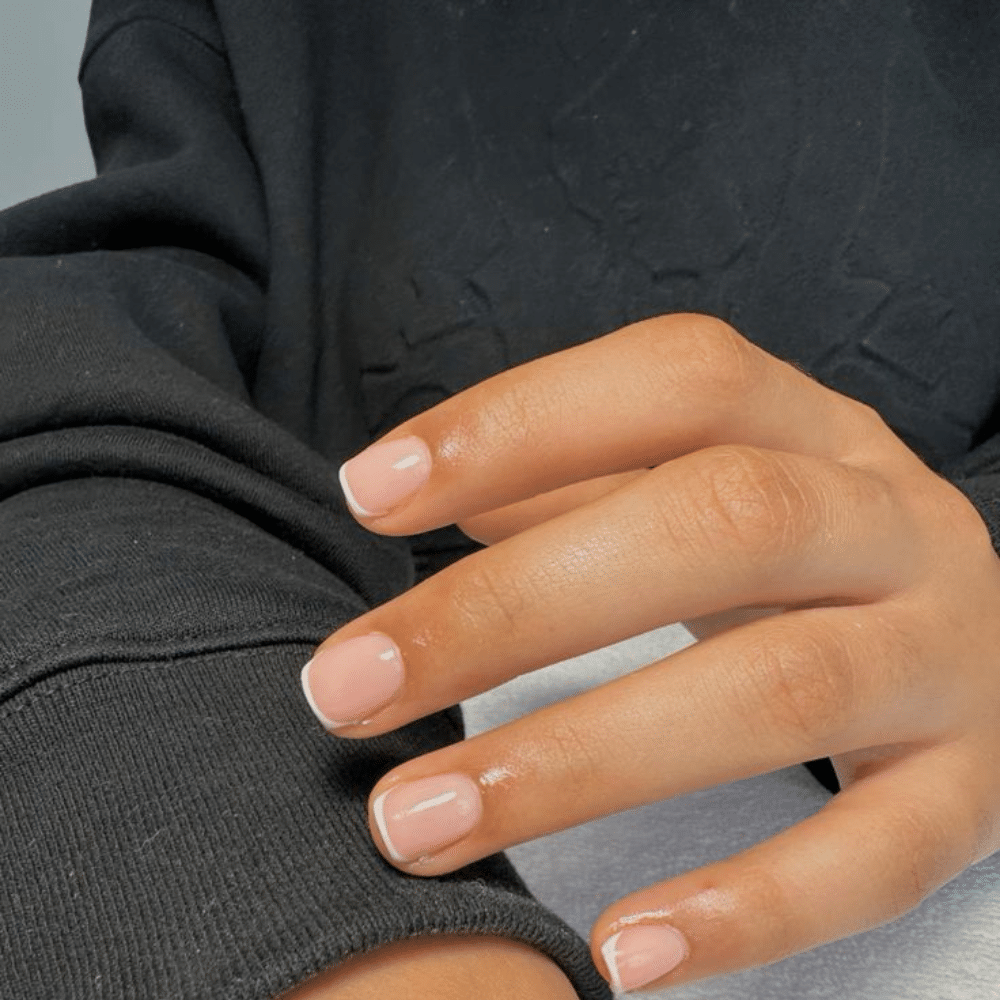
column 346, row 684
column 421, row 817
column 638, row 956
column 385, row 475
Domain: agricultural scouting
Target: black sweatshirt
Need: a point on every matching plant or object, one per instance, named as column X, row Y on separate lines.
column 312, row 220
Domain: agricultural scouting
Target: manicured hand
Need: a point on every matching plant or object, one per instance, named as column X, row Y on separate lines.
column 846, row 597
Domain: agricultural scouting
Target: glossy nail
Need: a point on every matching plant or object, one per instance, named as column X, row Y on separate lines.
column 383, row 476
column 350, row 681
column 638, row 956
column 419, row 818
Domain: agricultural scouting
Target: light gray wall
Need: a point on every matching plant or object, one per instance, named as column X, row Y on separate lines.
column 43, row 144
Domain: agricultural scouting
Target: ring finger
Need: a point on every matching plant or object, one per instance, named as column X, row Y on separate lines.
column 810, row 683
column 717, row 529
column 496, row 525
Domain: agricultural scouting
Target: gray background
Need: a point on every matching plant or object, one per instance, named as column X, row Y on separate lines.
column 43, row 144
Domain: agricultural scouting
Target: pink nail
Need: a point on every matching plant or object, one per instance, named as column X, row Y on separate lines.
column 421, row 817
column 638, row 956
column 349, row 682
column 385, row 475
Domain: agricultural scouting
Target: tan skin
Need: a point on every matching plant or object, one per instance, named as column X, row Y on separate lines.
column 845, row 597
column 445, row 968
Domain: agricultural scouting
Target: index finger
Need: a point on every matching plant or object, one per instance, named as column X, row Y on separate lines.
column 632, row 399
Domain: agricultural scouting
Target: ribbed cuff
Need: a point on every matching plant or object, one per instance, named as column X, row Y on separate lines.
column 185, row 829
column 175, row 823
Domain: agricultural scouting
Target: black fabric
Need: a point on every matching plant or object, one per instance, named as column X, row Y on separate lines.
column 822, row 770
column 313, row 219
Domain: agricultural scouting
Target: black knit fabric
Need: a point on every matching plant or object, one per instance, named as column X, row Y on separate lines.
column 313, row 219
column 175, row 823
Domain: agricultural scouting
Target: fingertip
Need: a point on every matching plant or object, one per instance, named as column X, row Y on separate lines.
column 328, row 724
column 378, row 813
column 349, row 496
column 417, row 819
column 385, row 476
column 608, row 949
column 640, row 955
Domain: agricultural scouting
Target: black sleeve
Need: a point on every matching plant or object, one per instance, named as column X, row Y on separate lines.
column 173, row 822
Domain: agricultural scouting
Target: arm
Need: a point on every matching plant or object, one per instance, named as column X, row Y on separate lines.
column 172, row 549
column 448, row 968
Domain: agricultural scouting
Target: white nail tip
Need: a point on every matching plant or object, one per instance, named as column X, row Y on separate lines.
column 328, row 724
column 378, row 808
column 609, row 952
column 345, row 486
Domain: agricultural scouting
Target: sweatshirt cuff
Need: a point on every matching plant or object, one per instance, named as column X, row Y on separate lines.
column 175, row 821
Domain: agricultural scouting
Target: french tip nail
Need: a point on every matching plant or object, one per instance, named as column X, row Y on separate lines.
column 349, row 495
column 378, row 809
column 640, row 955
column 328, row 724
column 611, row 961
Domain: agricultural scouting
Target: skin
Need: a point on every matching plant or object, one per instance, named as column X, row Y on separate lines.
column 845, row 598
column 446, row 968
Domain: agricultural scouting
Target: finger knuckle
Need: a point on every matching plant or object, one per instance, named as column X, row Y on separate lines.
column 867, row 423
column 518, row 414
column 800, row 680
column 572, row 751
column 778, row 929
column 748, row 497
column 923, row 837
column 956, row 517
column 754, row 913
column 704, row 355
column 506, row 414
column 484, row 599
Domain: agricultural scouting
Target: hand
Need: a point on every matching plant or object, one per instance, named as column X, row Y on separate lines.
column 846, row 597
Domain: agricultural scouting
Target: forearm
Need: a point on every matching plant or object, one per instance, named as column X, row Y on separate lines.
column 443, row 968
column 173, row 545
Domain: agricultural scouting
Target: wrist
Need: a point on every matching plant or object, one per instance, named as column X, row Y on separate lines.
column 442, row 968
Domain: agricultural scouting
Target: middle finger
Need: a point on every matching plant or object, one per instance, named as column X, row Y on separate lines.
column 724, row 527
column 807, row 684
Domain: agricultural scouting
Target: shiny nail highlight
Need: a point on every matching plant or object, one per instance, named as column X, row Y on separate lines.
column 419, row 818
